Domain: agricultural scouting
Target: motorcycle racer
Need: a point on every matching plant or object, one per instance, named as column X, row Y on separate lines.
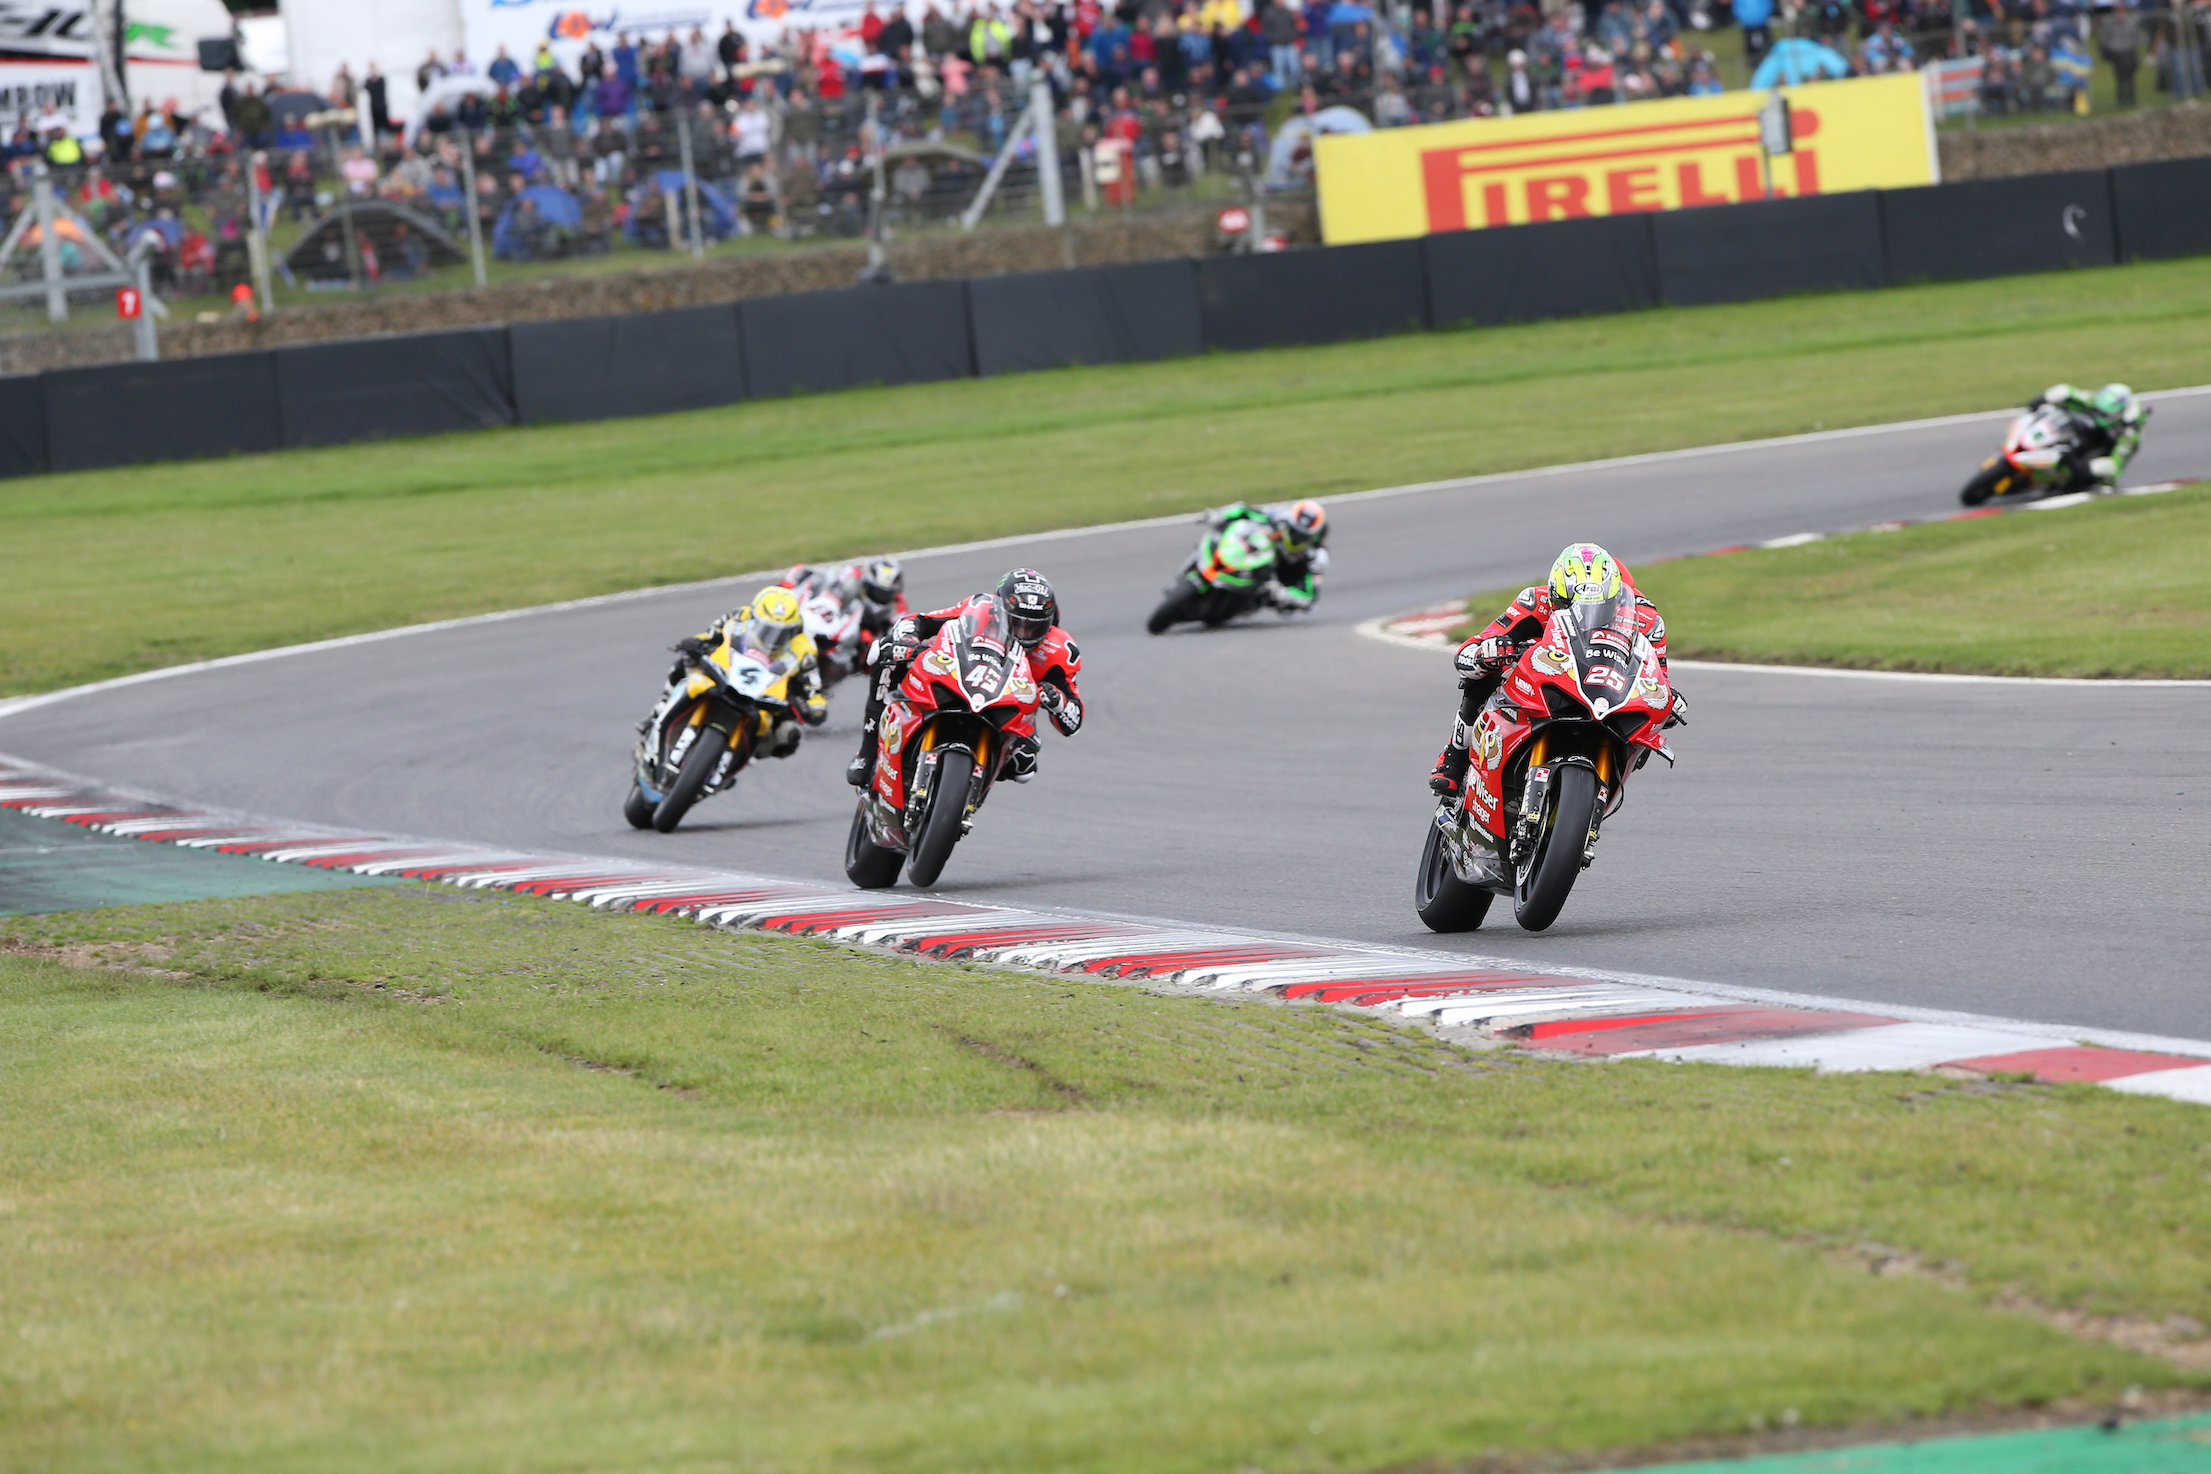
column 1583, row 570
column 770, row 624
column 1053, row 657
column 1300, row 537
column 2111, row 430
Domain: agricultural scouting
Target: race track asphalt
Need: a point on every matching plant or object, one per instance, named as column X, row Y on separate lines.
column 2034, row 851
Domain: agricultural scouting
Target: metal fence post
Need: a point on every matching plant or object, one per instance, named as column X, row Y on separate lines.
column 475, row 217
column 690, row 188
column 49, row 244
column 257, row 237
column 142, row 327
column 1047, row 150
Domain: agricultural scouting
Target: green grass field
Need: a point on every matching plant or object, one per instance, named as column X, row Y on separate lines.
column 2119, row 588
column 424, row 1179
column 113, row 572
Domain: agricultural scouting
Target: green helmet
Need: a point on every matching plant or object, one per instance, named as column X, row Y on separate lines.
column 2113, row 400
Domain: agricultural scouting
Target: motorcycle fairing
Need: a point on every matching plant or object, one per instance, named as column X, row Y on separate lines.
column 748, row 679
column 965, row 687
column 1590, row 667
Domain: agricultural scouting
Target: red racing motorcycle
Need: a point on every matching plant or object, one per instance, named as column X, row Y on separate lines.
column 938, row 746
column 1548, row 760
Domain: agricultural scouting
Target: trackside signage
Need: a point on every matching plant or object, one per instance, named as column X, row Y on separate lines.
column 1868, row 133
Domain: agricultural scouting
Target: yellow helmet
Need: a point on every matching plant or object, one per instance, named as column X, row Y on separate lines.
column 772, row 620
column 1584, row 571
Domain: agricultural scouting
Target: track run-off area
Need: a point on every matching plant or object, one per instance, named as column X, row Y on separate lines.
column 1909, row 848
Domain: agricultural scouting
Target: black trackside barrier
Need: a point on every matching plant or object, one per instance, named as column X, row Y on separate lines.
column 2164, row 209
column 1098, row 314
column 123, row 414
column 643, row 363
column 902, row 333
column 1328, row 294
column 1998, row 227
column 406, row 384
column 1770, row 248
column 22, row 424
column 1524, row 273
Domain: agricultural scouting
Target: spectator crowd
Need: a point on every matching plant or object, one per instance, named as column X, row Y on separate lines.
column 576, row 151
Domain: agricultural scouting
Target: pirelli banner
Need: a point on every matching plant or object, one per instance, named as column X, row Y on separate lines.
column 1867, row 133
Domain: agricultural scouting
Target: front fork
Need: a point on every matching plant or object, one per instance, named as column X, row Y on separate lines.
column 1535, row 813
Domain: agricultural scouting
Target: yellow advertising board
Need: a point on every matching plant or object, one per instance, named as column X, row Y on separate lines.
column 1864, row 133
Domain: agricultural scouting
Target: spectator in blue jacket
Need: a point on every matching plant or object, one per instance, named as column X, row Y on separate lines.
column 1795, row 60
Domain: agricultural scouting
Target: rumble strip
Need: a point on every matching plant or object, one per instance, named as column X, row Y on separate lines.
column 1590, row 1015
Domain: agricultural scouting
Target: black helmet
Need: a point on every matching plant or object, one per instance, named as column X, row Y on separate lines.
column 1029, row 603
column 882, row 580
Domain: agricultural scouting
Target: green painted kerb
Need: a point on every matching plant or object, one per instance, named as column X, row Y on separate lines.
column 46, row 865
column 2170, row 1446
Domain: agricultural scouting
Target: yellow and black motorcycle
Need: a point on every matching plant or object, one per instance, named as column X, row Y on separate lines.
column 748, row 684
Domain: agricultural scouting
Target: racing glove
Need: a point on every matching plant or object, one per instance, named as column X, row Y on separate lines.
column 691, row 646
column 1484, row 657
column 1678, row 714
column 1065, row 710
column 2104, row 469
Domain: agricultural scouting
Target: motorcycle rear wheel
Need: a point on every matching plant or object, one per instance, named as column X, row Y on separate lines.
column 637, row 808
column 867, row 864
column 1549, row 878
column 1178, row 606
column 940, row 826
column 691, row 778
column 1987, row 482
column 1444, row 902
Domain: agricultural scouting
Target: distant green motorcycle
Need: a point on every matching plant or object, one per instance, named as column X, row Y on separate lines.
column 1225, row 577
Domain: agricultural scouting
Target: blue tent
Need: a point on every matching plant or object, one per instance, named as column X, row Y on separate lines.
column 719, row 214
column 552, row 206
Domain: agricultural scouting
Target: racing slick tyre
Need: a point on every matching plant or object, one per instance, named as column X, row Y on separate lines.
column 691, row 778
column 1443, row 901
column 1550, row 873
column 637, row 808
column 1987, row 482
column 1180, row 605
column 940, row 826
column 867, row 864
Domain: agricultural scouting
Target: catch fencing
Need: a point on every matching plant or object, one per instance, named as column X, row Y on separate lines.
column 913, row 332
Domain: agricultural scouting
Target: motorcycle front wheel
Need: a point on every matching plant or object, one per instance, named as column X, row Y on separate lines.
column 1549, row 877
column 867, row 864
column 1442, row 900
column 940, row 826
column 638, row 808
column 1180, row 605
column 1987, row 482
column 691, row 778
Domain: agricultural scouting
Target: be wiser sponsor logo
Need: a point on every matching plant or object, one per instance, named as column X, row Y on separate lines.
column 1678, row 154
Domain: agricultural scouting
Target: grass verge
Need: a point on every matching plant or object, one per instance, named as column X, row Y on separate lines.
column 2115, row 588
column 439, row 1180
column 112, row 572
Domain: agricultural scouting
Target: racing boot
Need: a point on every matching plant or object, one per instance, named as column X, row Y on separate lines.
column 860, row 772
column 1450, row 774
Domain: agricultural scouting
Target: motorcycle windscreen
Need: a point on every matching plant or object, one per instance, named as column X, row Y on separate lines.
column 1601, row 633
column 982, row 647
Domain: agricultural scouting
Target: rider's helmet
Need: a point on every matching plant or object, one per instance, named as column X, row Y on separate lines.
column 797, row 576
column 1029, row 603
column 846, row 583
column 1584, row 571
column 882, row 581
column 772, row 620
column 2113, row 401
column 1304, row 526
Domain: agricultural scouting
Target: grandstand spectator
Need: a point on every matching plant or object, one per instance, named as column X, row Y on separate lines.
column 2119, row 38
